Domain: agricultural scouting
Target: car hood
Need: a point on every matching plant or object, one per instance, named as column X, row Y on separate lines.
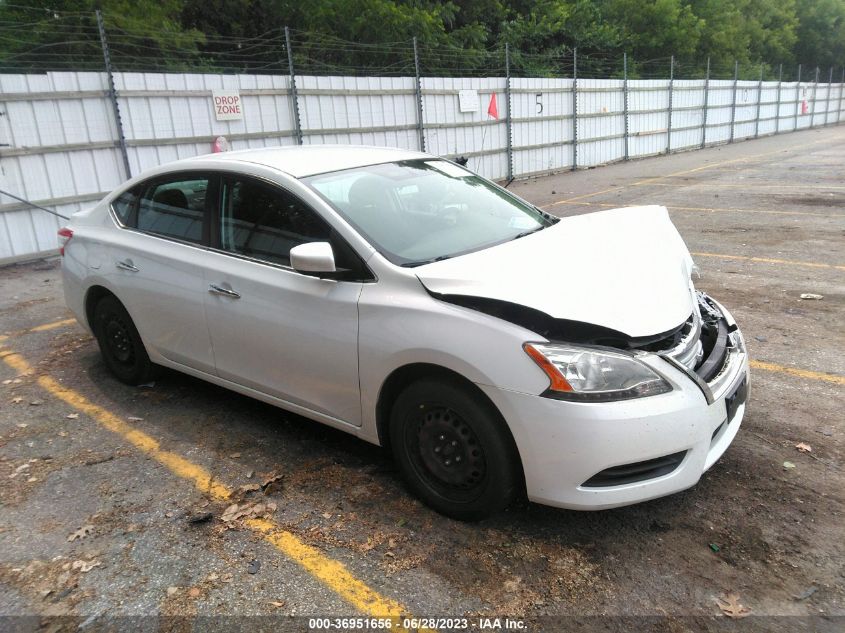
column 624, row 269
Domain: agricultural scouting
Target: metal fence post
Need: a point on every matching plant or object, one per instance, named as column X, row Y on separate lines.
column 625, row 101
column 797, row 98
column 815, row 93
column 297, row 125
column 509, row 129
column 841, row 90
column 574, row 109
column 759, row 99
column 733, row 103
column 121, row 138
column 827, row 101
column 777, row 118
column 671, row 97
column 418, row 91
column 706, row 96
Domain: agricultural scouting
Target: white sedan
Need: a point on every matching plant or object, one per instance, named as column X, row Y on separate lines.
column 495, row 349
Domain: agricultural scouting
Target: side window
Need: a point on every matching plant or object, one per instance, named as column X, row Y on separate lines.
column 124, row 207
column 264, row 222
column 174, row 208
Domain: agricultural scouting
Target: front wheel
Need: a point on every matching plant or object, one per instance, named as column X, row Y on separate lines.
column 454, row 450
column 120, row 344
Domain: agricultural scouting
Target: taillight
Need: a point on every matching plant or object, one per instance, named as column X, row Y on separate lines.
column 64, row 237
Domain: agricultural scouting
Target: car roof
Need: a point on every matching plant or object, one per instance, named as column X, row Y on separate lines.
column 307, row 160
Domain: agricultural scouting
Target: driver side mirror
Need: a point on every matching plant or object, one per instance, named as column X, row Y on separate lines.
column 313, row 258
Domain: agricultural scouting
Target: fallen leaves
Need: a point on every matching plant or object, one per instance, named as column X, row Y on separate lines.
column 271, row 483
column 85, row 565
column 811, row 296
column 788, row 465
column 81, row 533
column 17, row 400
column 236, row 512
column 731, row 607
column 804, row 448
column 72, row 416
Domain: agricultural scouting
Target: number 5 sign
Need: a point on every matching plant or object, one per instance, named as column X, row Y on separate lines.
column 227, row 105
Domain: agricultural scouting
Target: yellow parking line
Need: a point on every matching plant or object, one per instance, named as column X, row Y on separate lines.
column 801, row 373
column 50, row 326
column 769, row 260
column 672, row 207
column 723, row 163
column 330, row 572
column 38, row 328
column 742, row 185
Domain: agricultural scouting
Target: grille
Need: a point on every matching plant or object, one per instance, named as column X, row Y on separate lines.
column 689, row 350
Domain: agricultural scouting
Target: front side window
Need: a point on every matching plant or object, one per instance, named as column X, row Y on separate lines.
column 174, row 208
column 418, row 211
column 264, row 222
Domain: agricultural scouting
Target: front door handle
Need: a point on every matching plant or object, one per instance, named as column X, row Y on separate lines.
column 226, row 292
column 127, row 265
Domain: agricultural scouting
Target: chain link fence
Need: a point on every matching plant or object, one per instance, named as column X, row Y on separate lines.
column 93, row 105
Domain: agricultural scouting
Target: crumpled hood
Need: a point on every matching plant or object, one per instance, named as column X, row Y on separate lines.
column 625, row 269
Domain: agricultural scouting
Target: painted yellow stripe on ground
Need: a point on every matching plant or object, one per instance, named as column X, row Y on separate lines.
column 330, row 572
column 801, row 373
column 672, row 207
column 50, row 326
column 769, row 260
column 38, row 328
column 684, row 172
column 814, row 187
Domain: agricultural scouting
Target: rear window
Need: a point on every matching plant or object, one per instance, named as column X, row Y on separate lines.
column 124, row 207
column 174, row 209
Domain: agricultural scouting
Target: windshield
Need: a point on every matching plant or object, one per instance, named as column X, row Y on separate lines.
column 417, row 211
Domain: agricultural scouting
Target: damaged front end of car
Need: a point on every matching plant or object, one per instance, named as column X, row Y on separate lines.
column 707, row 347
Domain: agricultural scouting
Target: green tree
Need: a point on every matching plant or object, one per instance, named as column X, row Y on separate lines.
column 820, row 33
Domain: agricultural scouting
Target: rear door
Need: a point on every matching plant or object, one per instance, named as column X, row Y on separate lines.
column 158, row 263
column 280, row 332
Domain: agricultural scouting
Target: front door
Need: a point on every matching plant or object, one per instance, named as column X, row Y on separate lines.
column 286, row 334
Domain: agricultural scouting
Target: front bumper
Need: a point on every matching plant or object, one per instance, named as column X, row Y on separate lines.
column 563, row 444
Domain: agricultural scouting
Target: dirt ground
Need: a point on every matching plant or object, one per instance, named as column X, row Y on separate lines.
column 98, row 531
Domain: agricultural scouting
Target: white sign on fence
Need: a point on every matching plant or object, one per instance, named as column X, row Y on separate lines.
column 227, row 105
column 468, row 100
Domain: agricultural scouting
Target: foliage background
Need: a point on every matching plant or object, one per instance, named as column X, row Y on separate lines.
column 456, row 37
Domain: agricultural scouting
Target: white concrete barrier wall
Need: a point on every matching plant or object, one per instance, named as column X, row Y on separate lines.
column 59, row 139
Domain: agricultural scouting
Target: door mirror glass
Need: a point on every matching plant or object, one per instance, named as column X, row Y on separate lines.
column 313, row 257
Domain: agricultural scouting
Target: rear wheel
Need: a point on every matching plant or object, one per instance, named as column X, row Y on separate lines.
column 454, row 450
column 120, row 344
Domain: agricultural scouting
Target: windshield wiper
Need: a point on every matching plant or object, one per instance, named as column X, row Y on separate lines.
column 423, row 262
column 524, row 233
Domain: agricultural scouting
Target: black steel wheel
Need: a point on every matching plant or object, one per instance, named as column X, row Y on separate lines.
column 454, row 449
column 120, row 344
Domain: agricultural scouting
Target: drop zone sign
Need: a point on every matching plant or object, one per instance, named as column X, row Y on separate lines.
column 227, row 105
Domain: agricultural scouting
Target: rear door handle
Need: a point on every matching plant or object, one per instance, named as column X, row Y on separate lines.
column 226, row 292
column 127, row 265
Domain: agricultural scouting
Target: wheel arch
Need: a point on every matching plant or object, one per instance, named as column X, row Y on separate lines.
column 403, row 376
column 92, row 297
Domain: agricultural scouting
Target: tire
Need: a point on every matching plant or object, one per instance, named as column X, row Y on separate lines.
column 454, row 450
column 120, row 344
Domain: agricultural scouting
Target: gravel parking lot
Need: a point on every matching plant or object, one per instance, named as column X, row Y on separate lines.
column 113, row 499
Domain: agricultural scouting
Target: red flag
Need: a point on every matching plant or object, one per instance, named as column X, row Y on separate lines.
column 493, row 109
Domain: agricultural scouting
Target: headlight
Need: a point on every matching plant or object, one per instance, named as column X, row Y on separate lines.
column 591, row 375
